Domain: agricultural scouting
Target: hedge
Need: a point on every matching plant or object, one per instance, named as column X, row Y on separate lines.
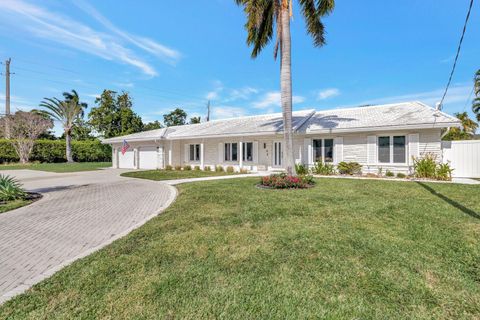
column 54, row 151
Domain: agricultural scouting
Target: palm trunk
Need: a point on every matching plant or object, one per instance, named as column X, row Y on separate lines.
column 68, row 140
column 286, row 89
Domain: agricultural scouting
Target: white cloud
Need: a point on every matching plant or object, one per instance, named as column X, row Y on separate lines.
column 227, row 112
column 215, row 93
column 273, row 99
column 66, row 31
column 241, row 94
column 149, row 45
column 328, row 93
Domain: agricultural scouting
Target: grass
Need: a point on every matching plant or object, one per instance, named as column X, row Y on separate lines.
column 10, row 205
column 344, row 249
column 173, row 174
column 58, row 167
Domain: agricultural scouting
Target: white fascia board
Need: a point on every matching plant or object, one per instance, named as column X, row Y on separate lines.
column 387, row 128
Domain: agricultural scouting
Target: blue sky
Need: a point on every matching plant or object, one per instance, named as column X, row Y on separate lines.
column 170, row 54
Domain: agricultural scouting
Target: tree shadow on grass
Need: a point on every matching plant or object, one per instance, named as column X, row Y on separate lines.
column 451, row 202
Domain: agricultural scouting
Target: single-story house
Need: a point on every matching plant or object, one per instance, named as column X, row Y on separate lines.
column 381, row 136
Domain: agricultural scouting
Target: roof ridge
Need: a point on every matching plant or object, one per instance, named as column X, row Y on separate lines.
column 370, row 106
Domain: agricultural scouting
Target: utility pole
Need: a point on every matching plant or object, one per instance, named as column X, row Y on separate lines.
column 208, row 111
column 7, row 97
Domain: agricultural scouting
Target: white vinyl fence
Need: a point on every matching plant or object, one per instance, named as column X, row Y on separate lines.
column 464, row 157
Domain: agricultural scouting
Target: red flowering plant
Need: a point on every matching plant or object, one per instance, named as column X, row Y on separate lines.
column 284, row 181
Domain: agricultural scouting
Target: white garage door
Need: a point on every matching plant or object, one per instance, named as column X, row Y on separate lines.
column 125, row 161
column 148, row 158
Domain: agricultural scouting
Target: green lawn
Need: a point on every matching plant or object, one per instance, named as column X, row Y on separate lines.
column 58, row 167
column 172, row 174
column 10, row 205
column 345, row 249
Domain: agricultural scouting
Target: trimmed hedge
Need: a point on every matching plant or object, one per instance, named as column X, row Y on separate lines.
column 54, row 151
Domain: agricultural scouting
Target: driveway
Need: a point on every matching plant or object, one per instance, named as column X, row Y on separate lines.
column 80, row 212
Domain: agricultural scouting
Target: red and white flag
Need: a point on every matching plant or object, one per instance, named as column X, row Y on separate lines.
column 125, row 147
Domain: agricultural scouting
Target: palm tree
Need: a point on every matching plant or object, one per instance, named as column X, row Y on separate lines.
column 476, row 101
column 68, row 112
column 262, row 17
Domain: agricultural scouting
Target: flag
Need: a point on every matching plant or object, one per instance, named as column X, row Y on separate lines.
column 125, row 147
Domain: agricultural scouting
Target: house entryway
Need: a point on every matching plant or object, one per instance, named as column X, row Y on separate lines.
column 277, row 154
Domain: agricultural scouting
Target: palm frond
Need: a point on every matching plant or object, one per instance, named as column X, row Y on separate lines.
column 313, row 13
column 477, row 83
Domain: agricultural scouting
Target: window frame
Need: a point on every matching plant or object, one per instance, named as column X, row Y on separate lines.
column 391, row 149
column 193, row 157
column 244, row 151
column 322, row 148
column 230, row 151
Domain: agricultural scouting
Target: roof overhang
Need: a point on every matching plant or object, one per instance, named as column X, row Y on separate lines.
column 388, row 128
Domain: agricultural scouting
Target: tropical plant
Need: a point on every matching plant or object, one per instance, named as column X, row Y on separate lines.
column 207, row 168
column 443, row 172
column 263, row 16
column 476, row 101
column 349, row 168
column 194, row 120
column 10, row 189
column 230, row 169
column 325, row 169
column 425, row 167
column 301, row 168
column 67, row 112
column 467, row 130
column 389, row 173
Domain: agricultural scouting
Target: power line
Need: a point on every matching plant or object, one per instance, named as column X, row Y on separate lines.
column 458, row 52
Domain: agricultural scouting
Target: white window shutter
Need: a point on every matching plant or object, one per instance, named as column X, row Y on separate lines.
column 255, row 152
column 186, row 155
column 413, row 147
column 372, row 149
column 307, row 151
column 220, row 153
column 338, row 149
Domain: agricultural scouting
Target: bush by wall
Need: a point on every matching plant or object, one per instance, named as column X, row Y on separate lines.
column 54, row 151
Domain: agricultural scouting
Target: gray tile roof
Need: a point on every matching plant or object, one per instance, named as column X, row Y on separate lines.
column 381, row 117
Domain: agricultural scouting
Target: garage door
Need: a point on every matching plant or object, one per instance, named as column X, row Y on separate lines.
column 125, row 161
column 148, row 158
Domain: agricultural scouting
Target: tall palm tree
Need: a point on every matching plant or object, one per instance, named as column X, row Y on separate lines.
column 68, row 112
column 476, row 101
column 263, row 16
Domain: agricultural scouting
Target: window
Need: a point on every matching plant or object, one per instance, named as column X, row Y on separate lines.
column 392, row 149
column 247, row 151
column 231, row 151
column 384, row 149
column 194, row 152
column 323, row 149
column 399, row 149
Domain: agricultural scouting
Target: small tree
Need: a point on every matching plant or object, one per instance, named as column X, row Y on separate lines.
column 25, row 127
column 194, row 120
column 177, row 117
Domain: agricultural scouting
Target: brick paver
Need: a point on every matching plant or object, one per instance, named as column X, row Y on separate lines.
column 80, row 213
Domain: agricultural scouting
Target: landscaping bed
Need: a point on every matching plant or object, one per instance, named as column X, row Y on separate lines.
column 346, row 249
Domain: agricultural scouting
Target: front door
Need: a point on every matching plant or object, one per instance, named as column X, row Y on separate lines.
column 277, row 154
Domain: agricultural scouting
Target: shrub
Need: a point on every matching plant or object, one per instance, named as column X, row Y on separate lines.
column 284, row 181
column 325, row 169
column 425, row 167
column 207, row 168
column 168, row 167
column 54, row 151
column 444, row 172
column 219, row 169
column 187, row 167
column 389, row 174
column 401, row 175
column 301, row 169
column 350, row 168
column 230, row 169
column 10, row 189
column 178, row 167
column 196, row 168
column 243, row 171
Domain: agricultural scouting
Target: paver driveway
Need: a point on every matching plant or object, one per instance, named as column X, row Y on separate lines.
column 79, row 213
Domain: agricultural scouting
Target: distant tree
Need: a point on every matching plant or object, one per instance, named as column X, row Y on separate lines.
column 267, row 19
column 194, row 120
column 68, row 112
column 113, row 116
column 177, row 117
column 466, row 132
column 25, row 127
column 152, row 125
column 82, row 131
column 476, row 101
column 48, row 134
